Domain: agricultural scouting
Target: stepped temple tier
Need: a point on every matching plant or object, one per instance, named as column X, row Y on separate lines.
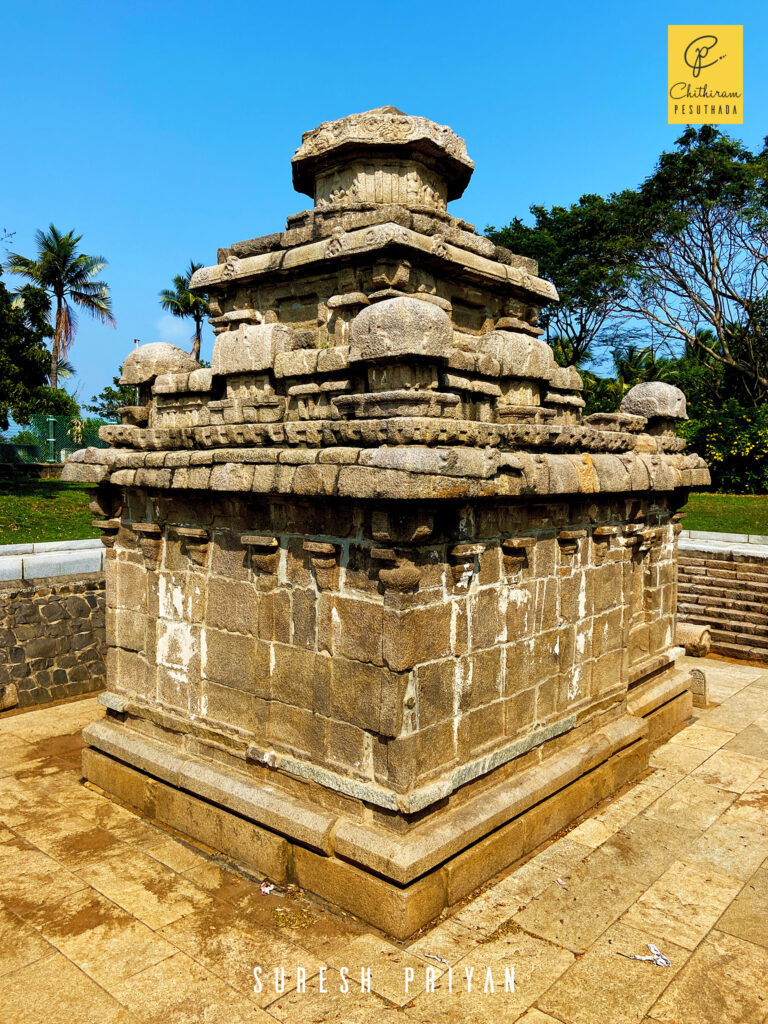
column 385, row 610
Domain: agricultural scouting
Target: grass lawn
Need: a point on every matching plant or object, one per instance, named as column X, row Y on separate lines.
column 43, row 510
column 727, row 513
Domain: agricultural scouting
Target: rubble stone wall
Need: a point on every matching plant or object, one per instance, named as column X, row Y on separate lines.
column 52, row 642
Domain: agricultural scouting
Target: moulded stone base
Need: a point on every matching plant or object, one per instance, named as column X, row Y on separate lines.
column 665, row 702
column 336, row 872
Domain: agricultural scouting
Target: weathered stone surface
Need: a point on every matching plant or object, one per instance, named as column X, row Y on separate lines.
column 250, row 348
column 414, row 139
column 146, row 362
column 400, row 327
column 52, row 640
column 373, row 565
column 519, row 355
column 696, row 639
column 655, row 399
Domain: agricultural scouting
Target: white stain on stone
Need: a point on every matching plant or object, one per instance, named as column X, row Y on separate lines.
column 574, row 685
column 367, row 765
column 465, row 579
column 176, row 644
column 335, row 629
column 171, row 603
column 457, row 683
column 583, row 596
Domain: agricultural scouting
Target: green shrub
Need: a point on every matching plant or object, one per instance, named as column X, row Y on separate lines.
column 734, row 441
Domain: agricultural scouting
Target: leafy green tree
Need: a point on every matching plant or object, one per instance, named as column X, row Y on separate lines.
column 25, row 360
column 181, row 302
column 702, row 280
column 112, row 398
column 601, row 394
column 734, row 441
column 566, row 354
column 68, row 277
column 586, row 250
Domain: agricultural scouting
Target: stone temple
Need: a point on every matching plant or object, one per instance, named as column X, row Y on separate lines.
column 385, row 611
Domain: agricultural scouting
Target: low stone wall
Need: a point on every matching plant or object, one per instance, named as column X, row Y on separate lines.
column 30, row 470
column 51, row 639
column 724, row 584
column 52, row 558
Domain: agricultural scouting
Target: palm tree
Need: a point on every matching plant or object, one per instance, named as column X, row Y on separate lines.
column 181, row 302
column 65, row 369
column 67, row 276
column 633, row 364
column 566, row 353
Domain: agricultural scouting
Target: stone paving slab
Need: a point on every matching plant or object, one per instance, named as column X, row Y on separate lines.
column 106, row 917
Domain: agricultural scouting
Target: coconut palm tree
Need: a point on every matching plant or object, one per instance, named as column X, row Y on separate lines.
column 568, row 354
column 633, row 364
column 65, row 369
column 181, row 302
column 68, row 278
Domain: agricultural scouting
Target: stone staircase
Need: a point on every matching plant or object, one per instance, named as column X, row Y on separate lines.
column 725, row 585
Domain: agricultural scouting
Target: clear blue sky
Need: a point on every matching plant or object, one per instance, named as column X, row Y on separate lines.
column 160, row 131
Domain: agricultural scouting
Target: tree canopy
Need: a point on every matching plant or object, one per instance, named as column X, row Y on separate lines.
column 669, row 281
column 701, row 282
column 112, row 398
column 679, row 264
column 25, row 359
column 68, row 278
column 586, row 250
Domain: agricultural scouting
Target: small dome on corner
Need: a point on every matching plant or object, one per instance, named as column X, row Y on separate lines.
column 655, row 400
column 148, row 361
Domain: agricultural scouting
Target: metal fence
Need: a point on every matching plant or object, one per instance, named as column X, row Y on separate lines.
column 50, row 439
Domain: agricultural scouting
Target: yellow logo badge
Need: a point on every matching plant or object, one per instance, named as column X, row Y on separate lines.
column 706, row 74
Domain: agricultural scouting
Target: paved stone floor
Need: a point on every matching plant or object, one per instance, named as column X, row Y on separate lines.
column 106, row 918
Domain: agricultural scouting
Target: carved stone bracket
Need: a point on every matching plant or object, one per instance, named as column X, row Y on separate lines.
column 650, row 537
column 677, row 522
column 105, row 502
column 109, row 528
column 399, row 573
column 568, row 541
column 194, row 542
column 632, row 535
column 602, row 537
column 263, row 551
column 515, row 554
column 150, row 538
column 324, row 557
column 462, row 557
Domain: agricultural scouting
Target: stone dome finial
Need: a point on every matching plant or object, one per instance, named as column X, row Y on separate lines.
column 382, row 156
column 655, row 400
column 146, row 362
